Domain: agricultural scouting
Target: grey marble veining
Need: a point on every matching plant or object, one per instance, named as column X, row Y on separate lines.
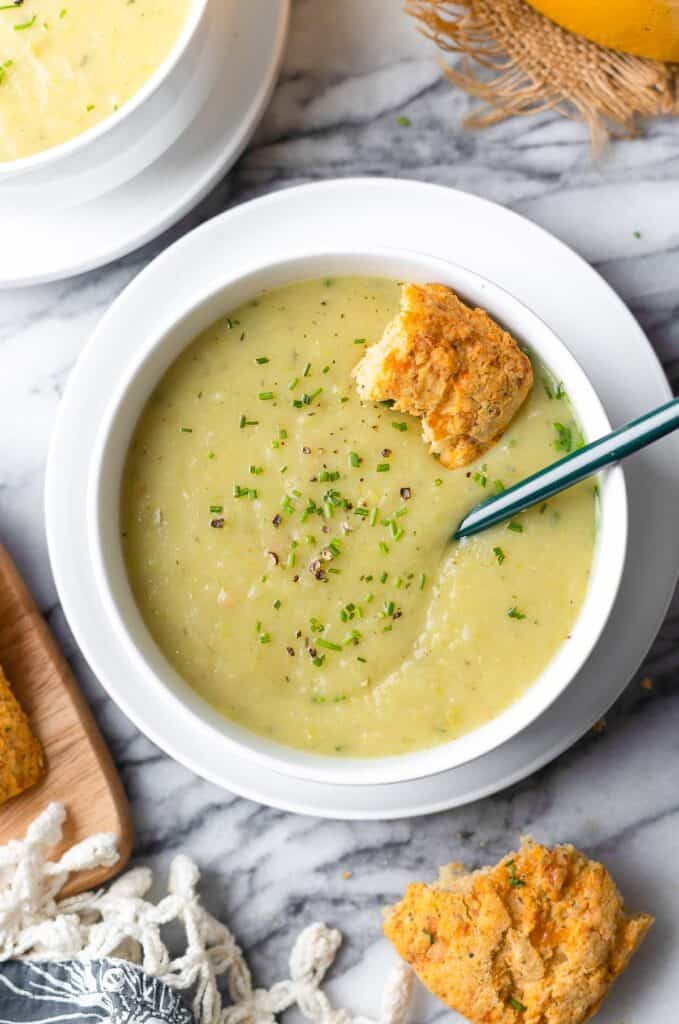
column 352, row 68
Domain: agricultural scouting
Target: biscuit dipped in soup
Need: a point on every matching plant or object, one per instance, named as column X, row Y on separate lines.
column 67, row 64
column 288, row 543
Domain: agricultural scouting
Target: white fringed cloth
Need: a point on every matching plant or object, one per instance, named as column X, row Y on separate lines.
column 120, row 923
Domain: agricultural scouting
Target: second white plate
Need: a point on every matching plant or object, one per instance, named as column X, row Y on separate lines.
column 40, row 247
column 534, row 266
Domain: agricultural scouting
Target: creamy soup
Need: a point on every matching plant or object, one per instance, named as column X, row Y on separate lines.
column 289, row 548
column 67, row 64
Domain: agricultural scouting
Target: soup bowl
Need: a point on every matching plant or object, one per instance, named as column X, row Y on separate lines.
column 119, row 147
column 156, row 353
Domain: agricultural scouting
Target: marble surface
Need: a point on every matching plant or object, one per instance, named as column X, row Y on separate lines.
column 352, row 69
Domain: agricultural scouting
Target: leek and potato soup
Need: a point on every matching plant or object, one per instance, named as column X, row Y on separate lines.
column 289, row 547
column 67, row 64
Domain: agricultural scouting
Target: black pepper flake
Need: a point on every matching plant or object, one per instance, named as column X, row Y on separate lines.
column 386, row 452
column 276, row 520
column 397, row 614
column 406, row 493
column 291, row 651
column 312, row 652
column 217, row 524
column 295, row 579
column 306, row 450
column 273, row 556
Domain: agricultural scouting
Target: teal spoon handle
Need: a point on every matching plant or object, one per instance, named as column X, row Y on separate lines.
column 571, row 469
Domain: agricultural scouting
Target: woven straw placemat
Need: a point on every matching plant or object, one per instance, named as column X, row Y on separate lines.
column 517, row 61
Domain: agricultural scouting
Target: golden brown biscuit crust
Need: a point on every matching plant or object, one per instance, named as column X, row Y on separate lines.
column 451, row 365
column 539, row 938
column 22, row 762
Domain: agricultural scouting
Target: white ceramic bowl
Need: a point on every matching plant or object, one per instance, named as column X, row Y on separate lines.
column 153, row 357
column 119, row 147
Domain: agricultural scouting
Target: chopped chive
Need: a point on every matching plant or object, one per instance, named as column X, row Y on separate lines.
column 282, row 434
column 499, row 486
column 383, row 577
column 256, row 470
column 277, row 604
column 515, row 526
column 438, row 481
column 360, row 341
column 564, row 438
column 261, row 360
column 306, row 370
column 400, row 426
column 500, row 555
column 514, row 881
column 514, row 613
column 216, row 508
column 354, row 459
column 292, row 384
column 265, row 396
column 373, row 517
column 245, row 422
column 384, row 547
column 543, row 508
column 422, row 581
column 383, row 467
column 404, row 122
column 264, row 638
column 361, row 511
column 516, row 1005
column 186, row 430
column 328, row 645
column 25, row 24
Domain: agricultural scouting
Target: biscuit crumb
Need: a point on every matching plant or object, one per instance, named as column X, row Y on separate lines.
column 452, row 365
column 544, row 934
column 346, row 875
column 646, row 683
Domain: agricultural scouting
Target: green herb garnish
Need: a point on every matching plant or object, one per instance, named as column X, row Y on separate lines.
column 564, row 439
column 516, row 883
column 514, row 613
column 500, row 555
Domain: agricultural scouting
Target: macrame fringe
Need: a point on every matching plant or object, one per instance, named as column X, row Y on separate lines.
column 517, row 61
column 122, row 923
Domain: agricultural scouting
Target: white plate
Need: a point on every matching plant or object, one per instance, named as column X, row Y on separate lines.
column 39, row 246
column 502, row 246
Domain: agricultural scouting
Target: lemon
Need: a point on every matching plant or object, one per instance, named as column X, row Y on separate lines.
column 648, row 28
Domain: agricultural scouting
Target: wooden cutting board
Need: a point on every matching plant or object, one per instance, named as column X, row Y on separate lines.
column 80, row 772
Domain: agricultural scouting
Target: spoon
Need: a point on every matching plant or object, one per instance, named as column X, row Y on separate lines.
column 571, row 469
